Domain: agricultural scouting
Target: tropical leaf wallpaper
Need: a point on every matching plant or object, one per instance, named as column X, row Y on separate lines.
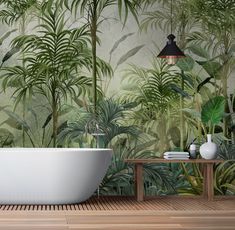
column 85, row 73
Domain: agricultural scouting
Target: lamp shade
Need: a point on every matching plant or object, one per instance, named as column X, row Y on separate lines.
column 171, row 51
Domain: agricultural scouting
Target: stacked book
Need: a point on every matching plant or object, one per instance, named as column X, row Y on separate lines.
column 176, row 155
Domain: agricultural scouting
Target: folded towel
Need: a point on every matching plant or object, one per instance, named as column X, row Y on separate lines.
column 176, row 158
column 176, row 153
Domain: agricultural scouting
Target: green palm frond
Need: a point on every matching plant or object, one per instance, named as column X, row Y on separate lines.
column 56, row 62
column 151, row 87
column 58, row 51
column 119, row 178
column 74, row 131
column 110, row 122
column 157, row 91
column 217, row 22
column 218, row 15
column 156, row 19
column 6, row 137
column 224, row 178
column 86, row 6
column 226, row 150
column 13, row 11
column 207, row 41
column 159, row 16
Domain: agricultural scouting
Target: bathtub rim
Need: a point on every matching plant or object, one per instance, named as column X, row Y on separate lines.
column 53, row 148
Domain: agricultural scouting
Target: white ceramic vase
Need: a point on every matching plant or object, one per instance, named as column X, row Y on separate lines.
column 208, row 150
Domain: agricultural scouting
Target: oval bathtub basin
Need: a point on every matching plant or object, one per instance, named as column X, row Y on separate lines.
column 51, row 175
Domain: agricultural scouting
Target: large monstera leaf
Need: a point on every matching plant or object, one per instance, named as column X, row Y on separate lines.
column 213, row 110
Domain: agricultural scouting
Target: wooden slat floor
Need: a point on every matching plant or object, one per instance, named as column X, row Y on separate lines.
column 176, row 213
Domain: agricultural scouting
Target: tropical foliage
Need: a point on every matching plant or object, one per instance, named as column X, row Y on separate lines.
column 109, row 124
column 56, row 87
column 53, row 64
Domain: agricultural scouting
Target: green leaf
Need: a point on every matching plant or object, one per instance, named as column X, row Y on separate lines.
column 213, row 110
column 79, row 102
column 15, row 121
column 185, row 64
column 178, row 90
column 200, row 85
column 6, row 137
column 65, row 109
column 48, row 119
column 232, row 49
column 199, row 51
column 211, row 67
column 129, row 54
column 229, row 186
column 3, row 107
column 195, row 114
column 6, row 35
column 118, row 42
column 187, row 79
column 10, row 53
column 174, row 133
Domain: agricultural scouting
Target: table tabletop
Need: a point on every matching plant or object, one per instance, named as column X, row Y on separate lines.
column 162, row 160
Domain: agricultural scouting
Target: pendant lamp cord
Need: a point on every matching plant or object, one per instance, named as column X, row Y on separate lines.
column 171, row 21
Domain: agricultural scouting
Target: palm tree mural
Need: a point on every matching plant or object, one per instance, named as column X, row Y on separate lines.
column 93, row 12
column 160, row 108
column 217, row 21
column 53, row 63
column 18, row 13
column 110, row 123
column 152, row 90
column 177, row 21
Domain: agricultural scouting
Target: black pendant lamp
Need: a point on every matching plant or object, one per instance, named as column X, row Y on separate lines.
column 171, row 51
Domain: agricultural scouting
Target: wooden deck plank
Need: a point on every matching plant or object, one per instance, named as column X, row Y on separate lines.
column 115, row 212
column 129, row 203
column 105, row 204
column 76, row 207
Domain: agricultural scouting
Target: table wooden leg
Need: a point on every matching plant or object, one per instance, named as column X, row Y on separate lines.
column 139, row 186
column 205, row 182
column 210, row 182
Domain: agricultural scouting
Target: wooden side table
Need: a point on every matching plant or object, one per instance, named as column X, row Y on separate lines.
column 208, row 180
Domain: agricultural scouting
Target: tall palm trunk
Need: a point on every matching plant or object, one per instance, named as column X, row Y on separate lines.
column 54, row 119
column 163, row 139
column 198, row 109
column 24, row 97
column 182, row 45
column 224, row 80
column 182, row 125
column 93, row 27
column 23, row 115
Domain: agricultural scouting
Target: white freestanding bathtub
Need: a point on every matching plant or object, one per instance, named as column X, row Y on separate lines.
column 51, row 175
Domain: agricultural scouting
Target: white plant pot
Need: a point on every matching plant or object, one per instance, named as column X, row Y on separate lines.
column 208, row 150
